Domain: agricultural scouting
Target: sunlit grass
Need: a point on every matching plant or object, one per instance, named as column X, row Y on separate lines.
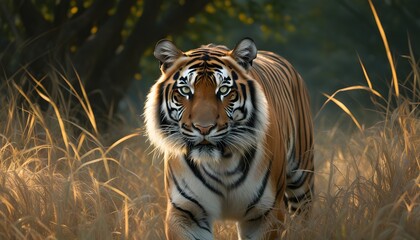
column 59, row 180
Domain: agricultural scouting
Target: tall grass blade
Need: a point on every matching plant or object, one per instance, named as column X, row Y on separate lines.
column 83, row 100
column 121, row 140
column 56, row 111
column 416, row 73
column 126, row 222
column 387, row 49
column 351, row 88
column 365, row 74
column 345, row 109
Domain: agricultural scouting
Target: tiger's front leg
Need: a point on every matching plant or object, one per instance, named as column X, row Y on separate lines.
column 186, row 216
column 257, row 229
column 263, row 225
column 180, row 224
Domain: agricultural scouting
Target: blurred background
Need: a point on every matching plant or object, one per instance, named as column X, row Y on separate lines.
column 108, row 44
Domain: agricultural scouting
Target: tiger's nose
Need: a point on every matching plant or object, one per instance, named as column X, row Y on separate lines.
column 203, row 128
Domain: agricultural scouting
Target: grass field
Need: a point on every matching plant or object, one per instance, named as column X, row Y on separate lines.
column 59, row 180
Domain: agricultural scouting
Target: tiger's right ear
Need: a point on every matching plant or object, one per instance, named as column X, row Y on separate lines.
column 166, row 52
column 244, row 52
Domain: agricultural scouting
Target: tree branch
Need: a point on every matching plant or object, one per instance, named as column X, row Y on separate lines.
column 357, row 14
column 8, row 18
column 34, row 22
column 97, row 51
column 179, row 15
column 60, row 12
column 137, row 42
column 71, row 30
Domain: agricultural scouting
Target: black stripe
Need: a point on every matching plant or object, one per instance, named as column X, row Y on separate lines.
column 252, row 119
column 197, row 65
column 176, row 76
column 217, row 60
column 160, row 101
column 205, row 57
column 305, row 196
column 243, row 89
column 269, row 210
column 197, row 53
column 163, row 121
column 167, row 95
column 191, row 215
column 234, row 76
column 190, row 198
column 168, row 100
column 247, row 159
column 252, row 92
column 298, row 183
column 188, row 134
column 260, row 190
column 261, row 216
column 211, row 175
column 198, row 174
column 192, row 60
column 266, row 212
column 296, row 186
column 213, row 65
column 213, row 52
column 185, row 195
column 238, row 169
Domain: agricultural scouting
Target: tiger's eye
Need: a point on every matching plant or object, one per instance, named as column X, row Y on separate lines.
column 223, row 90
column 185, row 90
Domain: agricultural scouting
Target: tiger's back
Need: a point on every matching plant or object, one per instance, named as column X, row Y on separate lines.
column 290, row 124
column 236, row 130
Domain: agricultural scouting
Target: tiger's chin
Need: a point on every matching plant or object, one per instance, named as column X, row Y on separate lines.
column 205, row 154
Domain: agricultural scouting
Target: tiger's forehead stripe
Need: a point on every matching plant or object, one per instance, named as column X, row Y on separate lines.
column 211, row 50
column 205, row 66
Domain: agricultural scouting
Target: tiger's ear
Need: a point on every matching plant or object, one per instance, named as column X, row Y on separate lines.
column 244, row 52
column 167, row 53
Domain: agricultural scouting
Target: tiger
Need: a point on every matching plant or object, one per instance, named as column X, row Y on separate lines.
column 236, row 133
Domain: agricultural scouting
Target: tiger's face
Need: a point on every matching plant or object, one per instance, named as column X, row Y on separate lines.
column 205, row 105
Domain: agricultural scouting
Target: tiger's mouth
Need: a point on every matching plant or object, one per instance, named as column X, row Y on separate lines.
column 206, row 146
column 205, row 142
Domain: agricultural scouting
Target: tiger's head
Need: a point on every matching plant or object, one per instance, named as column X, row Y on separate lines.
column 206, row 105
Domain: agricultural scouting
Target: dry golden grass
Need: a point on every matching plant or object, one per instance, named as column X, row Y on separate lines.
column 59, row 180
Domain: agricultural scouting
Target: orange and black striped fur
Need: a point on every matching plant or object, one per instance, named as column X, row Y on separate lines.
column 236, row 131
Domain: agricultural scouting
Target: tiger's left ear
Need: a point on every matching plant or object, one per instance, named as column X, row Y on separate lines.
column 244, row 52
column 167, row 53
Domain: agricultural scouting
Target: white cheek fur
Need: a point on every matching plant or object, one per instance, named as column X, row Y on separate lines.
column 153, row 129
